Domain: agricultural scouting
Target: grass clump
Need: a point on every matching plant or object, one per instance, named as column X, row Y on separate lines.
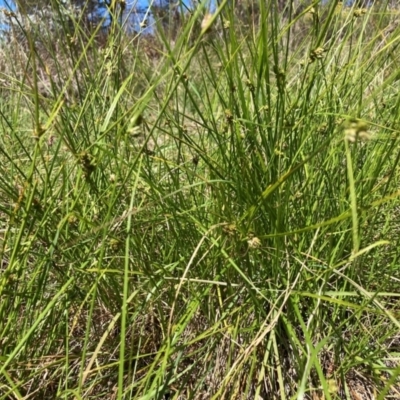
column 206, row 214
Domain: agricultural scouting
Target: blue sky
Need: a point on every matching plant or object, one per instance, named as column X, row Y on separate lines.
column 140, row 3
column 4, row 5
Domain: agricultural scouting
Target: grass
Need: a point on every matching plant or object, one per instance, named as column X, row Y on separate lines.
column 211, row 215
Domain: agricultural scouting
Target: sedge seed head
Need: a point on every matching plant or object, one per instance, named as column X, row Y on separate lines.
column 254, row 242
column 356, row 129
column 359, row 12
column 206, row 23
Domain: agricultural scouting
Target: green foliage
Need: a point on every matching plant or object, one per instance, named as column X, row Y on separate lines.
column 213, row 216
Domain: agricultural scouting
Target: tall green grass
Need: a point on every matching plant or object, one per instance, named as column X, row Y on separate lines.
column 215, row 220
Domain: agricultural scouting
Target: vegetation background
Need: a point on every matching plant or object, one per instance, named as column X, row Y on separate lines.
column 201, row 205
